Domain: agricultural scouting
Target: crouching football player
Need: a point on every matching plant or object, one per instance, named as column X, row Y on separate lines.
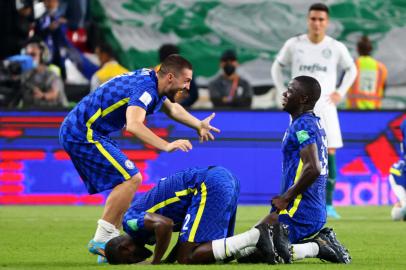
column 201, row 204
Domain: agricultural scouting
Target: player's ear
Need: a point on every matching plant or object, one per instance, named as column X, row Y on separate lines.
column 304, row 99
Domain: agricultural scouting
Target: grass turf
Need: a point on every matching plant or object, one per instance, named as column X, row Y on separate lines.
column 39, row 237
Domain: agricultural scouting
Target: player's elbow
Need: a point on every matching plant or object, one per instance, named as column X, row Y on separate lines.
column 133, row 127
column 315, row 170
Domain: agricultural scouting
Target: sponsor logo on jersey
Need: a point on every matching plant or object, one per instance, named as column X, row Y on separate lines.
column 129, row 164
column 313, row 68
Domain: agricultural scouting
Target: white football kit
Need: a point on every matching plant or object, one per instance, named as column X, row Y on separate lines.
column 320, row 61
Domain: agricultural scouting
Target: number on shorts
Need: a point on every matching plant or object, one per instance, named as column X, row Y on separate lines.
column 187, row 219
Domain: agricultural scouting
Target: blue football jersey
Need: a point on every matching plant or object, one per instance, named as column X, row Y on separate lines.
column 171, row 198
column 104, row 110
column 303, row 131
column 398, row 171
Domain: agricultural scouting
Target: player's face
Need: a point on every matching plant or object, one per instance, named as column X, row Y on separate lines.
column 34, row 52
column 179, row 83
column 291, row 97
column 132, row 253
column 317, row 22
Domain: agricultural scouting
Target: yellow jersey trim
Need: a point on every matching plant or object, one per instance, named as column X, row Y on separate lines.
column 103, row 151
column 178, row 194
column 298, row 198
column 199, row 213
column 395, row 172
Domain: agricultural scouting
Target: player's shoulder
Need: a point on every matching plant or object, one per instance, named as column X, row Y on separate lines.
column 297, row 39
column 336, row 43
column 305, row 122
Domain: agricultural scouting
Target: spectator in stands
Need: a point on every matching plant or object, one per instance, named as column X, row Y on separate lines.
column 41, row 87
column 368, row 89
column 229, row 89
column 51, row 27
column 109, row 67
column 187, row 99
column 16, row 18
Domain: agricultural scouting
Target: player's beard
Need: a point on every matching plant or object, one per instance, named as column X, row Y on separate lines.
column 171, row 95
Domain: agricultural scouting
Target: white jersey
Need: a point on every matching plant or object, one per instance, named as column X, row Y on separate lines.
column 320, row 61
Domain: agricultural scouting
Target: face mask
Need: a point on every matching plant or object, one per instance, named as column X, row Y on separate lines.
column 229, row 69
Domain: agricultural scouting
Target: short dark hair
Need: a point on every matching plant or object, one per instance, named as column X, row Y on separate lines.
column 364, row 46
column 174, row 63
column 167, row 49
column 319, row 7
column 228, row 55
column 309, row 87
column 106, row 48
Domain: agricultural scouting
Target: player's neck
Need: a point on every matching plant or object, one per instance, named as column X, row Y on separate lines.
column 316, row 39
column 298, row 113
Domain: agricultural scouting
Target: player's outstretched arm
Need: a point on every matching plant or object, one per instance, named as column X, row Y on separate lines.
column 135, row 125
column 203, row 128
column 162, row 228
column 310, row 171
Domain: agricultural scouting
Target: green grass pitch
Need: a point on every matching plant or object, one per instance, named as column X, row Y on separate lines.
column 56, row 238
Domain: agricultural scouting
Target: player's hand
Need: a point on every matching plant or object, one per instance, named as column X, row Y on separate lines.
column 280, row 203
column 205, row 129
column 183, row 145
column 335, row 97
column 37, row 93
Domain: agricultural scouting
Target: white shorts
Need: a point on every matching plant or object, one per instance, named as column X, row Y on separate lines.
column 329, row 120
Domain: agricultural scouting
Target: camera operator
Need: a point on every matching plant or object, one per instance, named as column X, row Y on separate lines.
column 41, row 87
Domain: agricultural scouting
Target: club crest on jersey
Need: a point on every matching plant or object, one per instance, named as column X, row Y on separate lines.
column 129, row 164
column 326, row 53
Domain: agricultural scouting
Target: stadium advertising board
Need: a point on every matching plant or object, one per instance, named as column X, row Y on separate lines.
column 35, row 170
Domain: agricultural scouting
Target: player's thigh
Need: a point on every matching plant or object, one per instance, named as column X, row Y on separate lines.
column 102, row 165
column 299, row 230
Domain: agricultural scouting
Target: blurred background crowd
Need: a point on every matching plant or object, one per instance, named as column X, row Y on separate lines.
column 54, row 52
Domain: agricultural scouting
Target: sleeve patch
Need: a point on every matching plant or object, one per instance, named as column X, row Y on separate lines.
column 132, row 223
column 145, row 98
column 302, row 136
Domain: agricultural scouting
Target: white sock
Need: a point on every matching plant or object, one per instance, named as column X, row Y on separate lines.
column 105, row 231
column 245, row 252
column 306, row 250
column 227, row 247
column 398, row 190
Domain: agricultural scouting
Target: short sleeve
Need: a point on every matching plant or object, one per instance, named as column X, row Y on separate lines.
column 143, row 96
column 304, row 135
column 134, row 224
